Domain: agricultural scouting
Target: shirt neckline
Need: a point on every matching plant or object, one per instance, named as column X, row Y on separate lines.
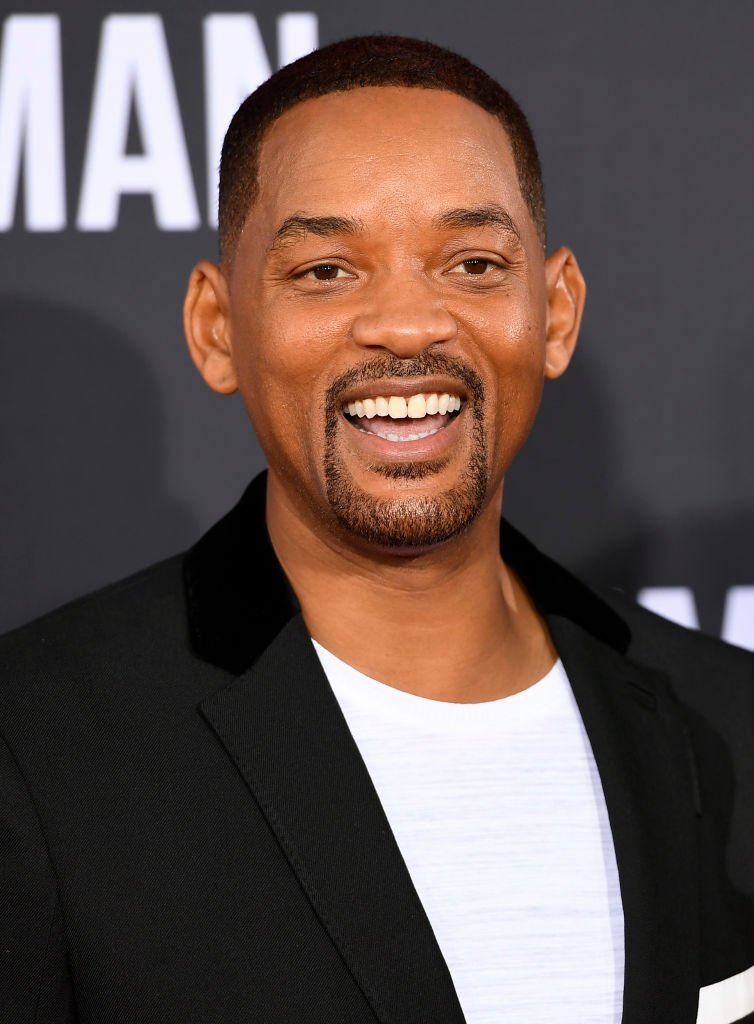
column 550, row 696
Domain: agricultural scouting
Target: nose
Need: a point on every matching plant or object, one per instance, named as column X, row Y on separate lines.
column 405, row 318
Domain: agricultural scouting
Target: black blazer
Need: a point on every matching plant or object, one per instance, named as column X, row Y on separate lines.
column 189, row 833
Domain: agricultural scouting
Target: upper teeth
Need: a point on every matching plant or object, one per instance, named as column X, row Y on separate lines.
column 398, row 408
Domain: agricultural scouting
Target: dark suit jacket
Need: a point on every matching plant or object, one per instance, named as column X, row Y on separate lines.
column 189, row 833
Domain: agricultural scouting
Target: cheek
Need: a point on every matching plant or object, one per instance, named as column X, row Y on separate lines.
column 520, row 367
column 515, row 358
column 278, row 364
column 514, row 413
column 512, row 347
column 515, row 319
column 284, row 343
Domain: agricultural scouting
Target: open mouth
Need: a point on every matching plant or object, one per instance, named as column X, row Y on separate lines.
column 404, row 418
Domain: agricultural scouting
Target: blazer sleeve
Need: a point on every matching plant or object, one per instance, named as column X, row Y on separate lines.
column 35, row 982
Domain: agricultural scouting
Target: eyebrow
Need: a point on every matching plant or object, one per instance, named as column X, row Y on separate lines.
column 489, row 215
column 299, row 225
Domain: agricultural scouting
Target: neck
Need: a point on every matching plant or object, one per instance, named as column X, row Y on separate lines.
column 450, row 623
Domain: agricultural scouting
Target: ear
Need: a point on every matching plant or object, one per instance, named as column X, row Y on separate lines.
column 566, row 294
column 206, row 321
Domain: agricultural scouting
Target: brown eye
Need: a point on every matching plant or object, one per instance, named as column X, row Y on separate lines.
column 325, row 272
column 475, row 266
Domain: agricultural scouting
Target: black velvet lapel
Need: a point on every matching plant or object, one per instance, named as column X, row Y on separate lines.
column 238, row 596
column 557, row 593
column 283, row 727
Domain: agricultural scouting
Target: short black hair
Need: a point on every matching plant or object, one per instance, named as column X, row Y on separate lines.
column 354, row 63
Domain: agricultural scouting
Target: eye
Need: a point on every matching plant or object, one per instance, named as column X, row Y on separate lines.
column 325, row 272
column 476, row 266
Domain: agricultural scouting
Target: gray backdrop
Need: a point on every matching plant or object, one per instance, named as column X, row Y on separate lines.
column 112, row 451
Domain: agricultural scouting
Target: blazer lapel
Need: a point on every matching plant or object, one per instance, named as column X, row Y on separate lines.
column 644, row 763
column 283, row 727
column 281, row 724
column 646, row 766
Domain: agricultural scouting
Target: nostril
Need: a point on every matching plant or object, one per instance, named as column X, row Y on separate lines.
column 404, row 333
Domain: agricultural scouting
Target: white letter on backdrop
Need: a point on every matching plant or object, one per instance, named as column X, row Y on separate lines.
column 134, row 67
column 31, row 122
column 235, row 63
column 738, row 618
column 674, row 603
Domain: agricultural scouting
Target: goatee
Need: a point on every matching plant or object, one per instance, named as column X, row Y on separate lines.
column 407, row 522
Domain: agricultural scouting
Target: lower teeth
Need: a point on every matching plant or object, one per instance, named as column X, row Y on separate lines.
column 409, row 437
column 389, row 436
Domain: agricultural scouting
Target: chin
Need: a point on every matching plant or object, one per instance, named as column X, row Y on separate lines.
column 408, row 505
column 407, row 523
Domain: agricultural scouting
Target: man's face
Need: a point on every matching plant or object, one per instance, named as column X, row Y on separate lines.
column 388, row 312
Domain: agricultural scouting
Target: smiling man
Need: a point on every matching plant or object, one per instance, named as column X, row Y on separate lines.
column 361, row 754
column 388, row 315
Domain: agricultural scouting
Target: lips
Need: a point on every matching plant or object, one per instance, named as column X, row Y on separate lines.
column 401, row 418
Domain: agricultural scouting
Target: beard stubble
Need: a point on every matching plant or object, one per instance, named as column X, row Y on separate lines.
column 403, row 521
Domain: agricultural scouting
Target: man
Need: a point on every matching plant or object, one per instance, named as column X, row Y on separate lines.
column 361, row 755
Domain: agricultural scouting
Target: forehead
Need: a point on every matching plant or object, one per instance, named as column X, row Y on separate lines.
column 385, row 147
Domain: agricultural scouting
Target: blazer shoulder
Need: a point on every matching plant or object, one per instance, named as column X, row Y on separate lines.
column 613, row 618
column 707, row 674
column 120, row 623
column 658, row 639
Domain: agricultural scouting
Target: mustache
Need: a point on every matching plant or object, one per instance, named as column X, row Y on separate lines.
column 424, row 365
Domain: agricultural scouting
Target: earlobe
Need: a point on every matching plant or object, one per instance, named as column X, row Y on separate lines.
column 206, row 323
column 566, row 294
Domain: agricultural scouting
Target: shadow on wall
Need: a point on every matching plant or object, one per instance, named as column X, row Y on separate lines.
column 708, row 554
column 567, row 490
column 81, row 460
column 568, row 493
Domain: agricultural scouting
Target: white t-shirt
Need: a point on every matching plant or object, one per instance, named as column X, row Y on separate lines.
column 498, row 810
